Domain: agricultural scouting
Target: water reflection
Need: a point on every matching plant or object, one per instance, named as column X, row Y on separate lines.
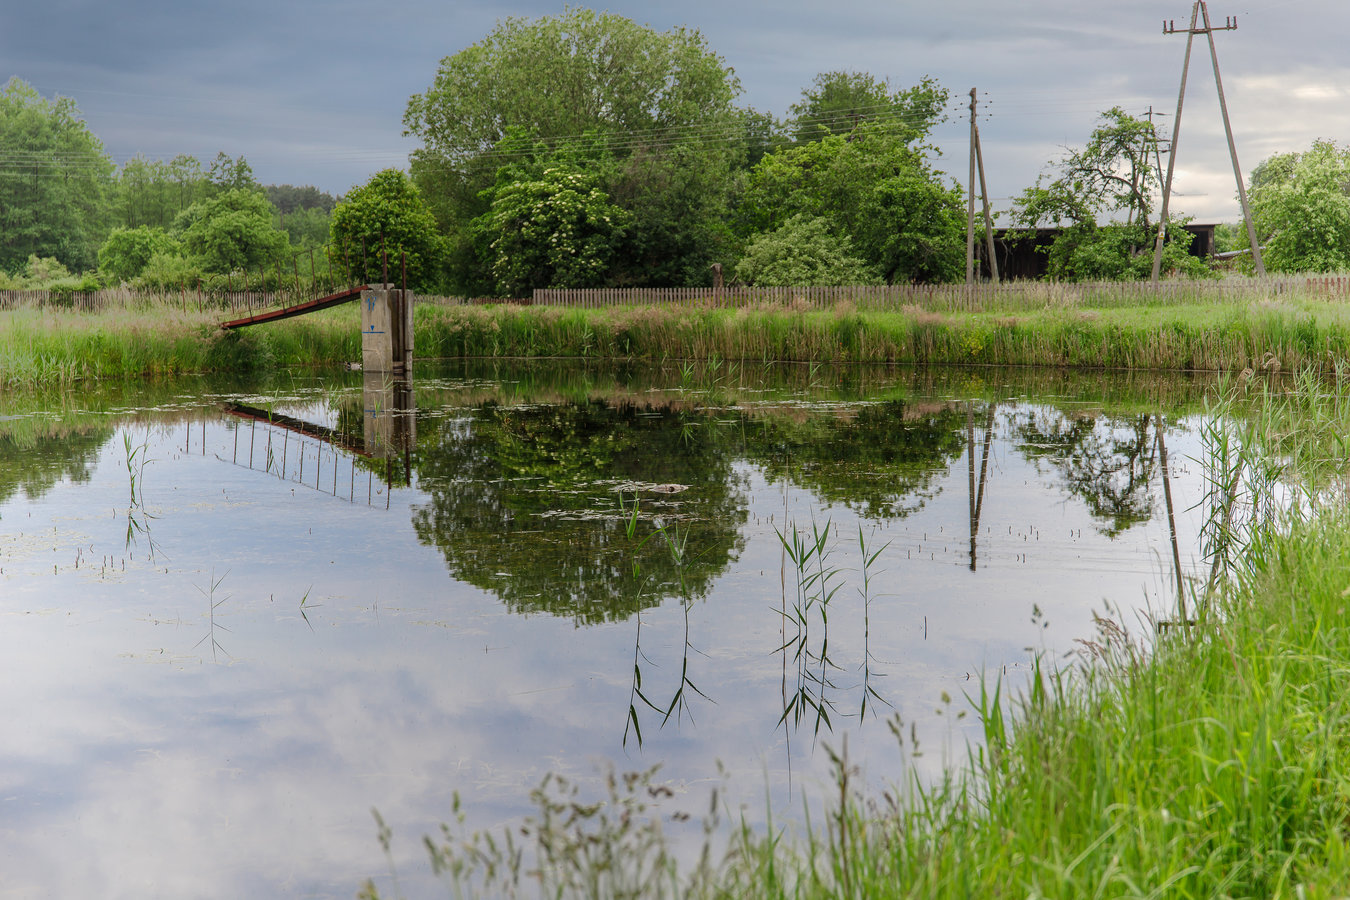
column 32, row 463
column 1108, row 462
column 880, row 460
column 501, row 611
column 382, row 446
column 525, row 502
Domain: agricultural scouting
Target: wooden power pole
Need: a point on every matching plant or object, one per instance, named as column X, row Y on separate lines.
column 1200, row 24
column 977, row 161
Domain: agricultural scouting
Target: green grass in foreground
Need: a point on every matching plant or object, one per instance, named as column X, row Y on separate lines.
column 1213, row 763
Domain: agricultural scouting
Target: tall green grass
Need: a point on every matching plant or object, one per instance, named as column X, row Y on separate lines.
column 1286, row 335
column 49, row 346
column 40, row 346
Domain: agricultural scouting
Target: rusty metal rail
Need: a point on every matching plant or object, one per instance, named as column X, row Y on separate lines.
column 298, row 309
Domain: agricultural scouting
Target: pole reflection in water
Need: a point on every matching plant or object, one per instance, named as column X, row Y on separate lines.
column 977, row 495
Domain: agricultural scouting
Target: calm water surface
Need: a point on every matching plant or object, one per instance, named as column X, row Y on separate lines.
column 237, row 617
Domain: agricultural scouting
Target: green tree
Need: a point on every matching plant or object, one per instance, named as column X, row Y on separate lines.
column 306, row 228
column 145, row 194
column 127, row 251
column 1300, row 205
column 231, row 174
column 232, row 231
column 837, row 102
column 871, row 186
column 289, row 198
column 388, row 214
column 803, row 252
column 1113, row 177
column 154, row 192
column 557, row 230
column 189, row 181
column 54, row 181
column 655, row 109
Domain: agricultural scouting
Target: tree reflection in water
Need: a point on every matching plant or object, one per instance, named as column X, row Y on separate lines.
column 1109, row 462
column 879, row 460
column 524, row 502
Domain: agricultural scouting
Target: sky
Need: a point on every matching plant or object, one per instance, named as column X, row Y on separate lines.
column 314, row 92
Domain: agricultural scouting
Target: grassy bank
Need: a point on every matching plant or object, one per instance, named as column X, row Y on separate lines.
column 1229, row 336
column 1210, row 761
column 46, row 346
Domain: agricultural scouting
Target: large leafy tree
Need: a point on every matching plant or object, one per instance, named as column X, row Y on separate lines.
column 839, row 101
column 1301, row 208
column 871, row 186
column 54, row 181
column 127, row 251
column 387, row 215
column 556, row 230
column 654, row 109
column 232, row 231
column 1102, row 199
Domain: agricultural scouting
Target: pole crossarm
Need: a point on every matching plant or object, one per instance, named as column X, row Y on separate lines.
column 1229, row 24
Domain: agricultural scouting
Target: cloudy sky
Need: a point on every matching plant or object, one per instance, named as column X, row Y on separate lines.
column 314, row 92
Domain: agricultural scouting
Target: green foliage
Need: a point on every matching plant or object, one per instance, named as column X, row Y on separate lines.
column 54, row 181
column 678, row 201
column 127, row 251
column 231, row 174
column 635, row 103
column 306, row 228
column 558, row 230
column 761, row 134
column 1087, row 252
column 1300, row 204
column 40, row 271
column 801, row 252
column 838, row 102
column 232, row 231
column 871, row 186
column 154, row 192
column 565, row 75
column 388, row 214
column 168, row 271
column 1114, row 175
column 288, row 198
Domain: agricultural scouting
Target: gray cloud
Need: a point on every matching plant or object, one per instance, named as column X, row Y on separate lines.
column 314, row 92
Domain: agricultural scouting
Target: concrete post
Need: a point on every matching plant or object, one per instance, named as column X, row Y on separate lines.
column 386, row 330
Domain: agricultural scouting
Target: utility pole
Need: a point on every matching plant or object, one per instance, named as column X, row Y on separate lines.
column 970, row 206
column 1157, row 150
column 1200, row 17
column 977, row 161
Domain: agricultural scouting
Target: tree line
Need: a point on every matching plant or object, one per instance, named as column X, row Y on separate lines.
column 585, row 150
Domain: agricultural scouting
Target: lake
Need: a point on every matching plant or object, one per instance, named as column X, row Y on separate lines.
column 240, row 615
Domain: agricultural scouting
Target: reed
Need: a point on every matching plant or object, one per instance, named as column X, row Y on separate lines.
column 1292, row 331
column 1225, row 336
column 51, row 346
